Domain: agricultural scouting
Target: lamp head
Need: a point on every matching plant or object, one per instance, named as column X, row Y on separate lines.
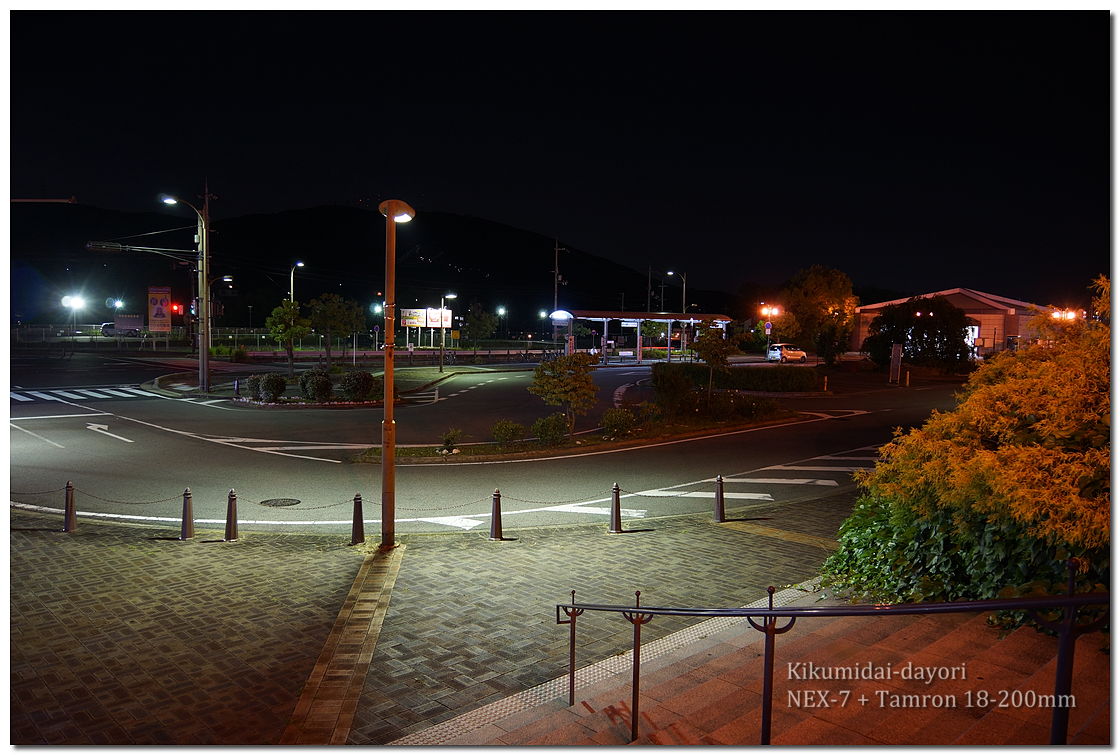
column 451, row 296
column 299, row 264
column 397, row 209
column 168, row 199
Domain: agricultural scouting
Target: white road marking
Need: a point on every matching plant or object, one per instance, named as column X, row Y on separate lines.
column 140, row 392
column 64, row 416
column 851, row 458
column 777, row 481
column 818, row 469
column 104, row 430
column 18, row 397
column 36, row 435
column 93, row 394
column 68, row 394
column 44, row 396
column 115, row 392
column 658, row 493
column 461, row 522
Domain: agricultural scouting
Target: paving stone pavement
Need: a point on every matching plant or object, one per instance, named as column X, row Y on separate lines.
column 123, row 635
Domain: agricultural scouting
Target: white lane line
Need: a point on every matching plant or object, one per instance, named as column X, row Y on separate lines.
column 92, row 394
column 18, row 397
column 36, row 435
column 460, row 522
column 64, row 416
column 778, row 481
column 44, row 396
column 818, row 469
column 705, row 494
column 851, row 458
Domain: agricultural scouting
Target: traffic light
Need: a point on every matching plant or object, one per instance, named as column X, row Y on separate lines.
column 176, row 309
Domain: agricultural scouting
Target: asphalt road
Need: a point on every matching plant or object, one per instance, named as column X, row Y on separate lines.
column 130, row 456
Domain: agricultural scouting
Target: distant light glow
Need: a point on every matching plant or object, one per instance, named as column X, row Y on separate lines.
column 170, row 200
column 73, row 302
column 118, row 304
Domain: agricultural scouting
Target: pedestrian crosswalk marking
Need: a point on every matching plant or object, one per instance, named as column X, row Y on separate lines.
column 81, row 394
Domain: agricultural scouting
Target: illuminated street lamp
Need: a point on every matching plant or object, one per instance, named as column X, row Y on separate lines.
column 395, row 211
column 768, row 311
column 501, row 316
column 73, row 303
column 443, row 330
column 292, row 281
column 203, row 286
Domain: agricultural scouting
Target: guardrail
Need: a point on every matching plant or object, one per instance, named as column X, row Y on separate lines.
column 765, row 620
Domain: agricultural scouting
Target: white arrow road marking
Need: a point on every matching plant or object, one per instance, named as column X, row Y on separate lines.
column 778, row 481
column 104, row 430
column 36, row 435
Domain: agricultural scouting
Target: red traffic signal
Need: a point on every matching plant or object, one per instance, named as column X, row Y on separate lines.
column 176, row 309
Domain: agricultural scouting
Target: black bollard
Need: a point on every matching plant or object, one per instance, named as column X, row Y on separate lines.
column 187, row 530
column 358, row 531
column 231, row 517
column 616, row 511
column 496, row 516
column 719, row 516
column 70, row 522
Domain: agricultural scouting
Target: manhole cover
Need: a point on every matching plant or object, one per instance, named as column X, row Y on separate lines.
column 280, row 502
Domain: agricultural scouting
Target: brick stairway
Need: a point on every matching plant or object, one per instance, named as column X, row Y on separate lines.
column 711, row 693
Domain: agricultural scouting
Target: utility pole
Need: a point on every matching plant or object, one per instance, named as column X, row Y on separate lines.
column 649, row 285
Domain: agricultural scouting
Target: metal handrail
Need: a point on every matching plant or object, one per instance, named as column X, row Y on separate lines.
column 639, row 615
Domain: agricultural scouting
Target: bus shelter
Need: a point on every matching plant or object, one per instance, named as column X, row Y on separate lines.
column 566, row 319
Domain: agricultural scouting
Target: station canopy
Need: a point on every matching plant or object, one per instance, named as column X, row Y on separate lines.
column 562, row 315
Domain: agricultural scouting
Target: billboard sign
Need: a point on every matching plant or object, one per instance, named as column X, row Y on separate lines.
column 413, row 318
column 434, row 319
column 159, row 309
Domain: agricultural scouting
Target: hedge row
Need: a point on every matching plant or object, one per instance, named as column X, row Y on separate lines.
column 775, row 378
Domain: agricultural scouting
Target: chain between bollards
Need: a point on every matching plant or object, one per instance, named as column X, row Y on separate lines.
column 70, row 523
column 616, row 511
column 496, row 516
column 719, row 513
column 187, row 530
column 231, row 517
column 358, row 531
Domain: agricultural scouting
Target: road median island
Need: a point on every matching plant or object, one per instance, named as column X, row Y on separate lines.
column 532, row 449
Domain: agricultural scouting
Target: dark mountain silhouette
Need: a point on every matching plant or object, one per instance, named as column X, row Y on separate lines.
column 343, row 251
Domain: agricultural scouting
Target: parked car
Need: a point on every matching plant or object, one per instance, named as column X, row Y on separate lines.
column 110, row 329
column 785, row 352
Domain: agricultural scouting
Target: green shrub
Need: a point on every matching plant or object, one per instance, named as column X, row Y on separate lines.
column 451, row 439
column 892, row 554
column 618, row 422
column 238, row 354
column 506, row 431
column 305, row 379
column 730, row 404
column 672, row 388
column 360, row 386
column 551, row 430
column 253, row 387
column 319, row 388
column 273, row 386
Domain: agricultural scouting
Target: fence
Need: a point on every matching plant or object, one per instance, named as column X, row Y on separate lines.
column 187, row 520
column 766, row 621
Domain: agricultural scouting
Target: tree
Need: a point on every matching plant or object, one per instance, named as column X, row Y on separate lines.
column 480, row 324
column 819, row 309
column 331, row 314
column 998, row 492
column 566, row 382
column 714, row 350
column 286, row 325
column 933, row 333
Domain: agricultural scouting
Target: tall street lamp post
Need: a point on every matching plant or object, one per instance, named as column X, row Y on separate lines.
column 395, row 211
column 768, row 312
column 73, row 303
column 684, row 308
column 292, row 281
column 203, row 287
column 443, row 330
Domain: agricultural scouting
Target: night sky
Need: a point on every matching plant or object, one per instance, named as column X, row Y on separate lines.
column 915, row 151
